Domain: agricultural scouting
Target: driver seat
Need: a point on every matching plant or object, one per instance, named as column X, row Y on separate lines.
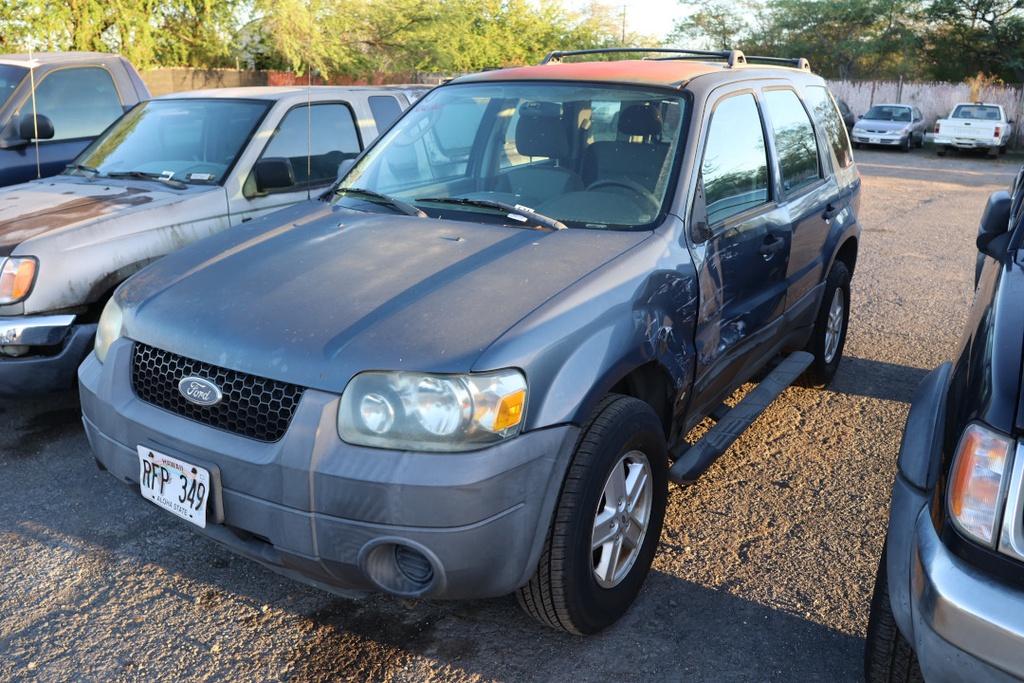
column 541, row 132
column 638, row 155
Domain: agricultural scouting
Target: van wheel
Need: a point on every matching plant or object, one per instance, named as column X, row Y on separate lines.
column 888, row 656
column 829, row 335
column 607, row 523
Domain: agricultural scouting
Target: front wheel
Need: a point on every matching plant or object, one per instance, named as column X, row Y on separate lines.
column 607, row 523
column 829, row 335
column 888, row 656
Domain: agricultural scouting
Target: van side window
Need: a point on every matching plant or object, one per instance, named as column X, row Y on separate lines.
column 81, row 102
column 735, row 166
column 794, row 139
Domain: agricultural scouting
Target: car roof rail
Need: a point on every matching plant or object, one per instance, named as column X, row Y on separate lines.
column 732, row 57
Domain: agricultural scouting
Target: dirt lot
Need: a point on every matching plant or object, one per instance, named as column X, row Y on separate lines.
column 765, row 569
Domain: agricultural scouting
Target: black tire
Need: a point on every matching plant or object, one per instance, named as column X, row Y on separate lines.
column 856, row 145
column 829, row 335
column 623, row 442
column 888, row 656
column 905, row 146
column 941, row 151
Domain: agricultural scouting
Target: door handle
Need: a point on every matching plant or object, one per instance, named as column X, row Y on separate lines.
column 771, row 246
column 830, row 211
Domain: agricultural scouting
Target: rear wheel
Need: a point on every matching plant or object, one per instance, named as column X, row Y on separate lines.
column 829, row 335
column 888, row 656
column 941, row 150
column 606, row 526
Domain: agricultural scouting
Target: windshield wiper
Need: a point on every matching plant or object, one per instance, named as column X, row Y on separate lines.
column 515, row 212
column 88, row 171
column 142, row 175
column 404, row 207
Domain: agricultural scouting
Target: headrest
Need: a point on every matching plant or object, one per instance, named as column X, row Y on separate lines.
column 640, row 119
column 540, row 132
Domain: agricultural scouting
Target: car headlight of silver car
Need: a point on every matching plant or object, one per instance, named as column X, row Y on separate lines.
column 108, row 330
column 17, row 275
column 427, row 412
column 977, row 480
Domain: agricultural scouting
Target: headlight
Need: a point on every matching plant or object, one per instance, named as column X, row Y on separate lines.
column 108, row 330
column 416, row 411
column 976, row 488
column 17, row 275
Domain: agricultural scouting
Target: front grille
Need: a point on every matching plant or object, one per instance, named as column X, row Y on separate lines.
column 253, row 407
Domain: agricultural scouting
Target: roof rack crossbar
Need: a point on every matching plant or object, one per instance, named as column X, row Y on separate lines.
column 732, row 57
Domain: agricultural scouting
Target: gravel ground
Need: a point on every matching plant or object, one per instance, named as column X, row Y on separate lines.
column 765, row 569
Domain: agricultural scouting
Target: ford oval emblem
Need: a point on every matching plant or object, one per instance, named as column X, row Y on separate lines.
column 200, row 391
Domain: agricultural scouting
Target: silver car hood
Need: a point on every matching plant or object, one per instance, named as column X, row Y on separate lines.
column 328, row 294
column 51, row 205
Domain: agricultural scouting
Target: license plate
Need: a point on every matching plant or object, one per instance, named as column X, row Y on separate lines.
column 175, row 485
column 875, row 141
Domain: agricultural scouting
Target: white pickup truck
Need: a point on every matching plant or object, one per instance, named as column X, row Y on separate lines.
column 171, row 171
column 974, row 125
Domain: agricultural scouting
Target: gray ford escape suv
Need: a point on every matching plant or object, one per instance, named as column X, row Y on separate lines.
column 470, row 368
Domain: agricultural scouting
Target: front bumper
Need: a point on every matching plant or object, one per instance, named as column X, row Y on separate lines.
column 346, row 517
column 889, row 139
column 962, row 623
column 55, row 348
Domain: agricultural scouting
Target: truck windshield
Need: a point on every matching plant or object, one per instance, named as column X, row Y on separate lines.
column 10, row 77
column 187, row 140
column 574, row 155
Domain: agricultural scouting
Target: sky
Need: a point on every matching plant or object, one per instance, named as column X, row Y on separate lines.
column 649, row 17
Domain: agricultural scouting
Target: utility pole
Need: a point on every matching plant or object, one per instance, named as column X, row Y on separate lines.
column 623, row 25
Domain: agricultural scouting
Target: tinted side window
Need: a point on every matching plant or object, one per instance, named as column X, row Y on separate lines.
column 794, row 139
column 385, row 110
column 81, row 102
column 735, row 166
column 315, row 158
column 829, row 119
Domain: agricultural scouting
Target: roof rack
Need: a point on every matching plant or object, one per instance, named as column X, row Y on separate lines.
column 732, row 57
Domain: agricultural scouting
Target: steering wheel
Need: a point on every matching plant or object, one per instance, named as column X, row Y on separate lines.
column 649, row 202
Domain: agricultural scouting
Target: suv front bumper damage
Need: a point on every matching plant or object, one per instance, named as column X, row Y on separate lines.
column 962, row 623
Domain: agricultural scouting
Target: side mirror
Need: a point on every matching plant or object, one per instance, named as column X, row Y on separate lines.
column 994, row 231
column 273, row 173
column 344, row 167
column 36, row 127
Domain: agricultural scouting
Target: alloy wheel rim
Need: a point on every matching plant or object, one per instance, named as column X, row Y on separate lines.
column 622, row 517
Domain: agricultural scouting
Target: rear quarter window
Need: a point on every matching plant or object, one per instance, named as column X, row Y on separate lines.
column 824, row 109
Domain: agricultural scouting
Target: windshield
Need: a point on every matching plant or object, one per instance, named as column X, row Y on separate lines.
column 578, row 156
column 10, row 77
column 185, row 140
column 885, row 112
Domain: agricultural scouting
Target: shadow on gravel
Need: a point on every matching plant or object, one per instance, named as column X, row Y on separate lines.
column 877, row 379
column 36, row 422
column 699, row 634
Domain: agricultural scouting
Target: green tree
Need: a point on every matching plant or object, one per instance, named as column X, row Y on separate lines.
column 969, row 36
column 716, row 25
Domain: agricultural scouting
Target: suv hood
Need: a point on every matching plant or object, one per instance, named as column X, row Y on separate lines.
column 53, row 204
column 315, row 302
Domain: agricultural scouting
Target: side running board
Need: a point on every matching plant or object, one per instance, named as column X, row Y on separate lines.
column 693, row 460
